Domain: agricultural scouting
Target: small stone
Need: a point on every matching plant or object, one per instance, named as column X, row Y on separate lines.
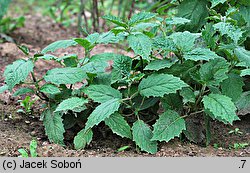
column 33, row 133
column 27, row 122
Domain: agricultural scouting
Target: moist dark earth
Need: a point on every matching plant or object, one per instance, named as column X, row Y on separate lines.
column 17, row 130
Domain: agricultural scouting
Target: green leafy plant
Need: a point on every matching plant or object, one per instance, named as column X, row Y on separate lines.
column 32, row 150
column 238, row 146
column 174, row 79
column 26, row 104
column 8, row 24
column 236, row 131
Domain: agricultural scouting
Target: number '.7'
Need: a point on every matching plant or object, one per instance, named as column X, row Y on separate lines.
column 243, row 163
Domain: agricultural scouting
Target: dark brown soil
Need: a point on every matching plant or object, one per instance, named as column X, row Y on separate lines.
column 17, row 130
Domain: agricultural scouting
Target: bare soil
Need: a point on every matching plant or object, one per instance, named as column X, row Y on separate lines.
column 17, row 130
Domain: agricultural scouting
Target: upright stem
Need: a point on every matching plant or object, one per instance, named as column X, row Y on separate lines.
column 208, row 129
column 82, row 12
column 62, row 11
column 96, row 14
column 142, row 66
column 200, row 95
column 44, row 96
column 131, row 9
column 93, row 15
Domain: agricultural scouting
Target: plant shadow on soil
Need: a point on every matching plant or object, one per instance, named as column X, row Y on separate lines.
column 16, row 131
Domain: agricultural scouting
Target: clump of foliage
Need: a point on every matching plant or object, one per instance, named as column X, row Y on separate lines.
column 32, row 150
column 8, row 24
column 175, row 78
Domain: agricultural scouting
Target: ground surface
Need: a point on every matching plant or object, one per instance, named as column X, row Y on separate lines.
column 17, row 130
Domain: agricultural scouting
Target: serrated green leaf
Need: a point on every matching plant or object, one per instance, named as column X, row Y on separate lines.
column 95, row 67
column 17, row 72
column 48, row 57
column 243, row 104
column 168, row 126
column 23, row 91
column 194, row 10
column 141, row 45
column 84, row 43
column 118, row 30
column 141, row 17
column 116, row 20
column 198, row 54
column 69, row 60
column 245, row 72
column 184, row 41
column 158, row 85
column 61, row 44
column 54, row 128
column 50, row 89
column 102, row 79
column 141, row 103
column 221, row 107
column 71, row 104
column 208, row 36
column 172, row 102
column 118, row 125
column 3, row 88
column 83, row 138
column 159, row 64
column 177, row 20
column 109, row 37
column 188, row 95
column 217, row 2
column 65, row 75
column 231, row 31
column 33, row 147
column 102, row 93
column 102, row 112
column 143, row 26
column 163, row 43
column 243, row 55
column 104, row 57
column 121, row 68
column 214, row 72
column 93, row 38
column 142, row 136
column 232, row 86
column 245, row 12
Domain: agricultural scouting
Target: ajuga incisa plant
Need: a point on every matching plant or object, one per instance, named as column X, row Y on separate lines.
column 186, row 68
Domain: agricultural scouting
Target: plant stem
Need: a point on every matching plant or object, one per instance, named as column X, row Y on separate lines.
column 143, row 99
column 200, row 95
column 141, row 60
column 62, row 11
column 198, row 112
column 82, row 12
column 44, row 96
column 208, row 129
column 131, row 9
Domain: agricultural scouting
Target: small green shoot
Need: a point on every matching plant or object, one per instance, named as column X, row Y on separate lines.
column 123, row 148
column 236, row 131
column 33, row 150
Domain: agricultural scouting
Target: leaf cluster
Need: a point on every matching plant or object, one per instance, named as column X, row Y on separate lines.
column 175, row 76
